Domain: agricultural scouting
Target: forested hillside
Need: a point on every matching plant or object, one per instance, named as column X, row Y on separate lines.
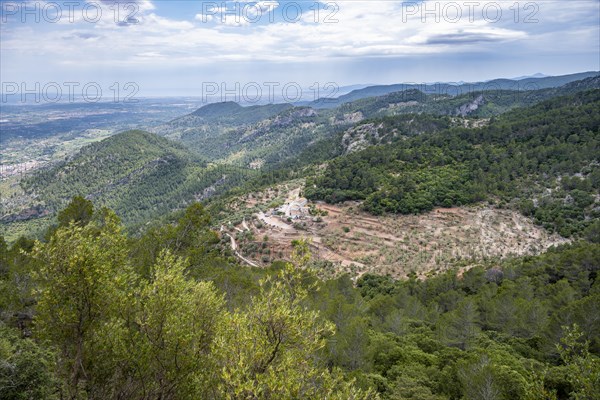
column 91, row 313
column 542, row 159
column 211, row 130
column 300, row 200
column 268, row 135
column 157, row 304
column 234, row 114
column 138, row 174
column 265, row 143
column 142, row 176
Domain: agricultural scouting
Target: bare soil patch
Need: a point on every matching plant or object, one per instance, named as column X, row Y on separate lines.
column 357, row 242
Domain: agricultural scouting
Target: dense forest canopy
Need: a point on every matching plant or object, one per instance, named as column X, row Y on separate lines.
column 92, row 313
column 225, row 148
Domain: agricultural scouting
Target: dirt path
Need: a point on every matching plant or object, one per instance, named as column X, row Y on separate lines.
column 234, row 248
column 245, row 225
column 293, row 195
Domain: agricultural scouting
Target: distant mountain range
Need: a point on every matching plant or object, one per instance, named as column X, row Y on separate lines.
column 536, row 75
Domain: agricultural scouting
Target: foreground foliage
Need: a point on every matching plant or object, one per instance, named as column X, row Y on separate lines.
column 107, row 327
column 91, row 313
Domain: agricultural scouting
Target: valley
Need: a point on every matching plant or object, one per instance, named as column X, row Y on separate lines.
column 38, row 135
column 449, row 228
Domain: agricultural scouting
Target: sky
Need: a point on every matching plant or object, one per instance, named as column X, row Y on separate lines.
column 189, row 48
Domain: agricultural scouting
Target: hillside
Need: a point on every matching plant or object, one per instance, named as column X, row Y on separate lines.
column 478, row 101
column 232, row 113
column 138, row 174
column 543, row 159
column 381, row 120
column 130, row 172
column 217, row 110
column 291, row 200
column 522, row 326
column 440, row 255
column 266, row 136
column 215, row 119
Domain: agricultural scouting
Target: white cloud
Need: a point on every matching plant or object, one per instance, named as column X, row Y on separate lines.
column 204, row 17
column 364, row 29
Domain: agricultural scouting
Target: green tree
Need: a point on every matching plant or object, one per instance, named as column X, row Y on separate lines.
column 3, row 257
column 191, row 237
column 79, row 211
column 270, row 350
column 83, row 272
column 16, row 285
column 26, row 369
column 170, row 332
column 584, row 367
column 535, row 387
column 461, row 326
column 479, row 380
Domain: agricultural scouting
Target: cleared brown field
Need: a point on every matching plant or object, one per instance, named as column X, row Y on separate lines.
column 358, row 242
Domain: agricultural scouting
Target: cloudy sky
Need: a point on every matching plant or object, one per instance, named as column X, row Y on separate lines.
column 172, row 47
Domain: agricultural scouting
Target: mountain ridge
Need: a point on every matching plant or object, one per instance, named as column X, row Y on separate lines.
column 528, row 83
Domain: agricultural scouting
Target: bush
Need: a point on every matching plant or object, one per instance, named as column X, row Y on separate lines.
column 25, row 368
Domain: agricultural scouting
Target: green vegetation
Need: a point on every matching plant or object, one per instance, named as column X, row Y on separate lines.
column 543, row 159
column 159, row 307
column 267, row 142
column 232, row 113
column 91, row 313
column 506, row 330
column 270, row 135
column 524, row 85
column 25, row 367
column 138, row 174
column 116, row 318
column 144, row 177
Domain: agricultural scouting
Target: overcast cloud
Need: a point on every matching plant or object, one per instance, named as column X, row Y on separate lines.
column 171, row 47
